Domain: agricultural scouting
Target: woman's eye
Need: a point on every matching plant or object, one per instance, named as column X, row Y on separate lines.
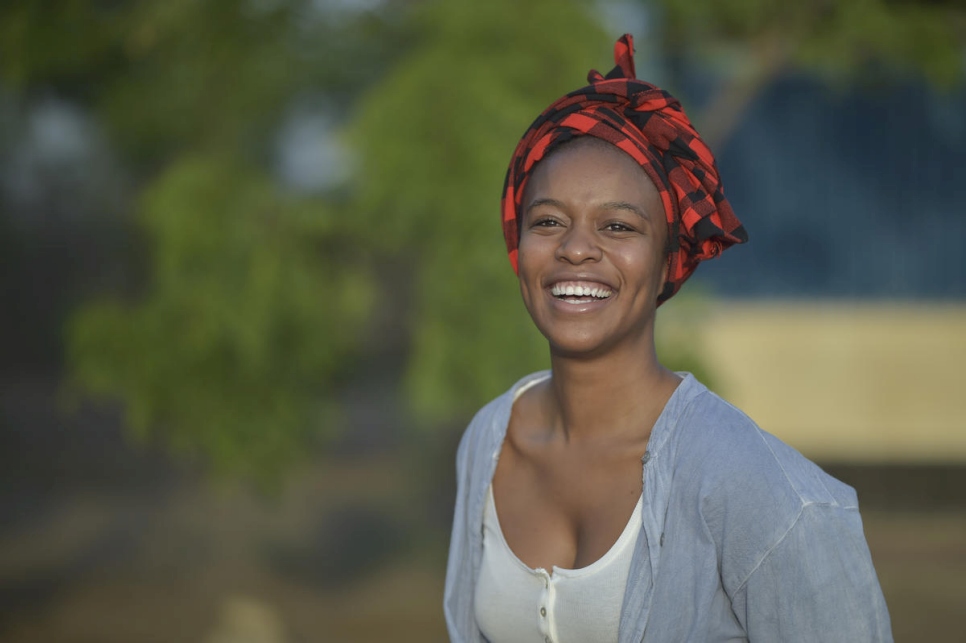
column 545, row 223
column 618, row 227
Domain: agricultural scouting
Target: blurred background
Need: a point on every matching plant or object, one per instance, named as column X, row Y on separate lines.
column 253, row 286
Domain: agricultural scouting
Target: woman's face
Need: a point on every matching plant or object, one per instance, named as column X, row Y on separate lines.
column 592, row 250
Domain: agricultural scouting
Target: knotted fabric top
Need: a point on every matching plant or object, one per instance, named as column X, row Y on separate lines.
column 649, row 125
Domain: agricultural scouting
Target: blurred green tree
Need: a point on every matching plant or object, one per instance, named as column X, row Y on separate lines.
column 250, row 314
column 256, row 301
column 244, row 313
column 750, row 42
column 171, row 77
column 434, row 139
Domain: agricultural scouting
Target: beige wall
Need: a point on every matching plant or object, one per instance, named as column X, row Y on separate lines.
column 871, row 382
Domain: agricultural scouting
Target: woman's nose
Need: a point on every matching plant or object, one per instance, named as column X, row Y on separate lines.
column 578, row 245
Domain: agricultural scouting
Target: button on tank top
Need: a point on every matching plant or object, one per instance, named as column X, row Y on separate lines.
column 517, row 604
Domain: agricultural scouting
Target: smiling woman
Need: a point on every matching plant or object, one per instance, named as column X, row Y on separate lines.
column 585, row 202
column 611, row 499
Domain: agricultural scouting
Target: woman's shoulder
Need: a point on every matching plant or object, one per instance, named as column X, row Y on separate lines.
column 737, row 467
column 486, row 430
column 748, row 487
column 781, row 528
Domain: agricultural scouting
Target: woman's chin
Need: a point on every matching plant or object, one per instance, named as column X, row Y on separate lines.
column 580, row 347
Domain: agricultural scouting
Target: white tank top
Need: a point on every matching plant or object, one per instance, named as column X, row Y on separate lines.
column 516, row 604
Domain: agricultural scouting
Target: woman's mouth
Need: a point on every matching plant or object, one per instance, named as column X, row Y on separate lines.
column 580, row 292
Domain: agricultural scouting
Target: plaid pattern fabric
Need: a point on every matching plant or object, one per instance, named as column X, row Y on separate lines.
column 649, row 125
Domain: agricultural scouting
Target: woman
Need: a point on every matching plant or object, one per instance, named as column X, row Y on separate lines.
column 611, row 499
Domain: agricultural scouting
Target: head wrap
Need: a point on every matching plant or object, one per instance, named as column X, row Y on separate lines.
column 649, row 125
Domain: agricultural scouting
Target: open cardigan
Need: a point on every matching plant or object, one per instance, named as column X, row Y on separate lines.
column 742, row 539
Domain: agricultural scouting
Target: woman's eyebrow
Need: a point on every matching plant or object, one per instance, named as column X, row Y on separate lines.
column 544, row 201
column 610, row 205
column 624, row 205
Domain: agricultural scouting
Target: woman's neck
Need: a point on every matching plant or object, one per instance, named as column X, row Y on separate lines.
column 607, row 397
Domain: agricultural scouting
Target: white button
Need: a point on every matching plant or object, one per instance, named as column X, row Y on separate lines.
column 543, row 611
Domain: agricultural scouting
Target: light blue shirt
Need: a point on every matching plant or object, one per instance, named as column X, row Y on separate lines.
column 743, row 539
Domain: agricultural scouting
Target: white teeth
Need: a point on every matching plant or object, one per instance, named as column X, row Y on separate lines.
column 570, row 290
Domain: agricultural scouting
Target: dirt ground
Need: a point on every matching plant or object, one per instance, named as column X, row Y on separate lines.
column 102, row 543
column 207, row 566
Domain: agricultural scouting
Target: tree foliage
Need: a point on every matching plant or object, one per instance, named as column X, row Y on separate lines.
column 434, row 140
column 840, row 37
column 257, row 301
column 750, row 42
column 170, row 77
column 250, row 315
column 254, row 299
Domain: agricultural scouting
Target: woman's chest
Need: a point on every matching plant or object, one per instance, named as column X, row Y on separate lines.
column 515, row 603
column 559, row 510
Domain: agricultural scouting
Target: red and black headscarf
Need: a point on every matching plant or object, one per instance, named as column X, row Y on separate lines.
column 649, row 125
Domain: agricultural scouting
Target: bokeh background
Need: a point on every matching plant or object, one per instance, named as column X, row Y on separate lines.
column 253, row 286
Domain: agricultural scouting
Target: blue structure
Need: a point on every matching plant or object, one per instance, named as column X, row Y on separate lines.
column 847, row 193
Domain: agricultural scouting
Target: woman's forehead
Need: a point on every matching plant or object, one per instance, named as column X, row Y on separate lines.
column 589, row 162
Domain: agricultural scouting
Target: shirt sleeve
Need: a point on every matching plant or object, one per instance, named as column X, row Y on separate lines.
column 454, row 596
column 816, row 584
